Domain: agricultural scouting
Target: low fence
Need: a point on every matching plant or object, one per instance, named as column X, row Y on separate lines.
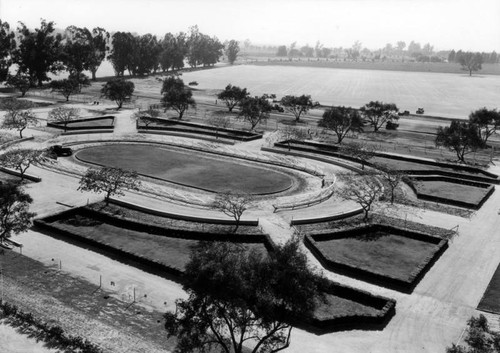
column 334, row 217
column 15, row 142
column 17, row 174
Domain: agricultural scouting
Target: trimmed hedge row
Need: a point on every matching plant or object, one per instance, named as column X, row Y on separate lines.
column 330, row 150
column 234, row 134
column 334, row 217
column 145, row 263
column 15, row 142
column 52, row 334
column 388, row 281
column 81, row 132
column 385, row 306
column 182, row 134
column 434, row 198
column 182, row 217
column 90, row 127
column 26, row 176
column 386, row 310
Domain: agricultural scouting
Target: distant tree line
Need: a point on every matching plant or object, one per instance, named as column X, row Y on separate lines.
column 45, row 50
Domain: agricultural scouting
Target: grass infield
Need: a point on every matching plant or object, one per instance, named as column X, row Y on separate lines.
column 189, row 168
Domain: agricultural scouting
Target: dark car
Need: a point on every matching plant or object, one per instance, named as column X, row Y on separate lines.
column 60, row 151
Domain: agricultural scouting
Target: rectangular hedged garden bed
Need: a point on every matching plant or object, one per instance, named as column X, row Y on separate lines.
column 380, row 254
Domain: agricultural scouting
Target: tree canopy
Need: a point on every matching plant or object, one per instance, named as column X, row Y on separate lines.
column 15, row 217
column 118, row 90
column 461, row 137
column 176, row 96
column 298, row 105
column 239, row 296
column 341, row 120
column 255, row 110
column 365, row 190
column 7, row 46
column 39, row 52
column 232, row 50
column 471, row 61
column 18, row 116
column 232, row 205
column 111, row 181
column 232, row 96
column 487, row 121
column 20, row 159
column 63, row 115
column 379, row 113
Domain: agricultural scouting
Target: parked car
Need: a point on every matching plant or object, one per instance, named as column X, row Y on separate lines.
column 420, row 111
column 60, row 151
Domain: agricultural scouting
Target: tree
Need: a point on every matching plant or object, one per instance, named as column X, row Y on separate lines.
column 391, row 178
column 282, row 51
column 146, row 116
column 122, row 51
column 176, row 96
column 219, row 122
column 255, row 110
column 20, row 159
column 15, row 217
column 7, row 47
column 341, row 120
column 232, row 96
column 365, row 190
column 478, row 337
column 487, row 121
column 470, row 61
column 461, row 137
column 298, row 105
column 118, row 90
column 20, row 81
column 111, row 181
column 70, row 86
column 360, row 151
column 19, row 115
column 291, row 133
column 239, row 296
column 98, row 46
column 232, row 50
column 379, row 113
column 39, row 52
column 63, row 115
column 232, row 205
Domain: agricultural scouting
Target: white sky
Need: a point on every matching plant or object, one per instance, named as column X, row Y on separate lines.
column 446, row 24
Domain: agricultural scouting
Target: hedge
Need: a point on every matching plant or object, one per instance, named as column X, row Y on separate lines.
column 90, row 127
column 434, row 198
column 406, row 286
column 330, row 150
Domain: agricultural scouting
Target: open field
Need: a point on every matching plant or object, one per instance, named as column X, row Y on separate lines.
column 188, row 168
column 449, row 95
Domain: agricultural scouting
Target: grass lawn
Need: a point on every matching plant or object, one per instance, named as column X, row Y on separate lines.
column 104, row 122
column 170, row 251
column 378, row 252
column 189, row 168
column 491, row 297
column 451, row 191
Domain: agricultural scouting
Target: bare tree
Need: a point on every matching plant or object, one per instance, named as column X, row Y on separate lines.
column 20, row 159
column 111, row 181
column 365, row 190
column 391, row 178
column 219, row 122
column 232, row 205
column 19, row 115
column 360, row 151
column 291, row 133
column 146, row 116
column 63, row 116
